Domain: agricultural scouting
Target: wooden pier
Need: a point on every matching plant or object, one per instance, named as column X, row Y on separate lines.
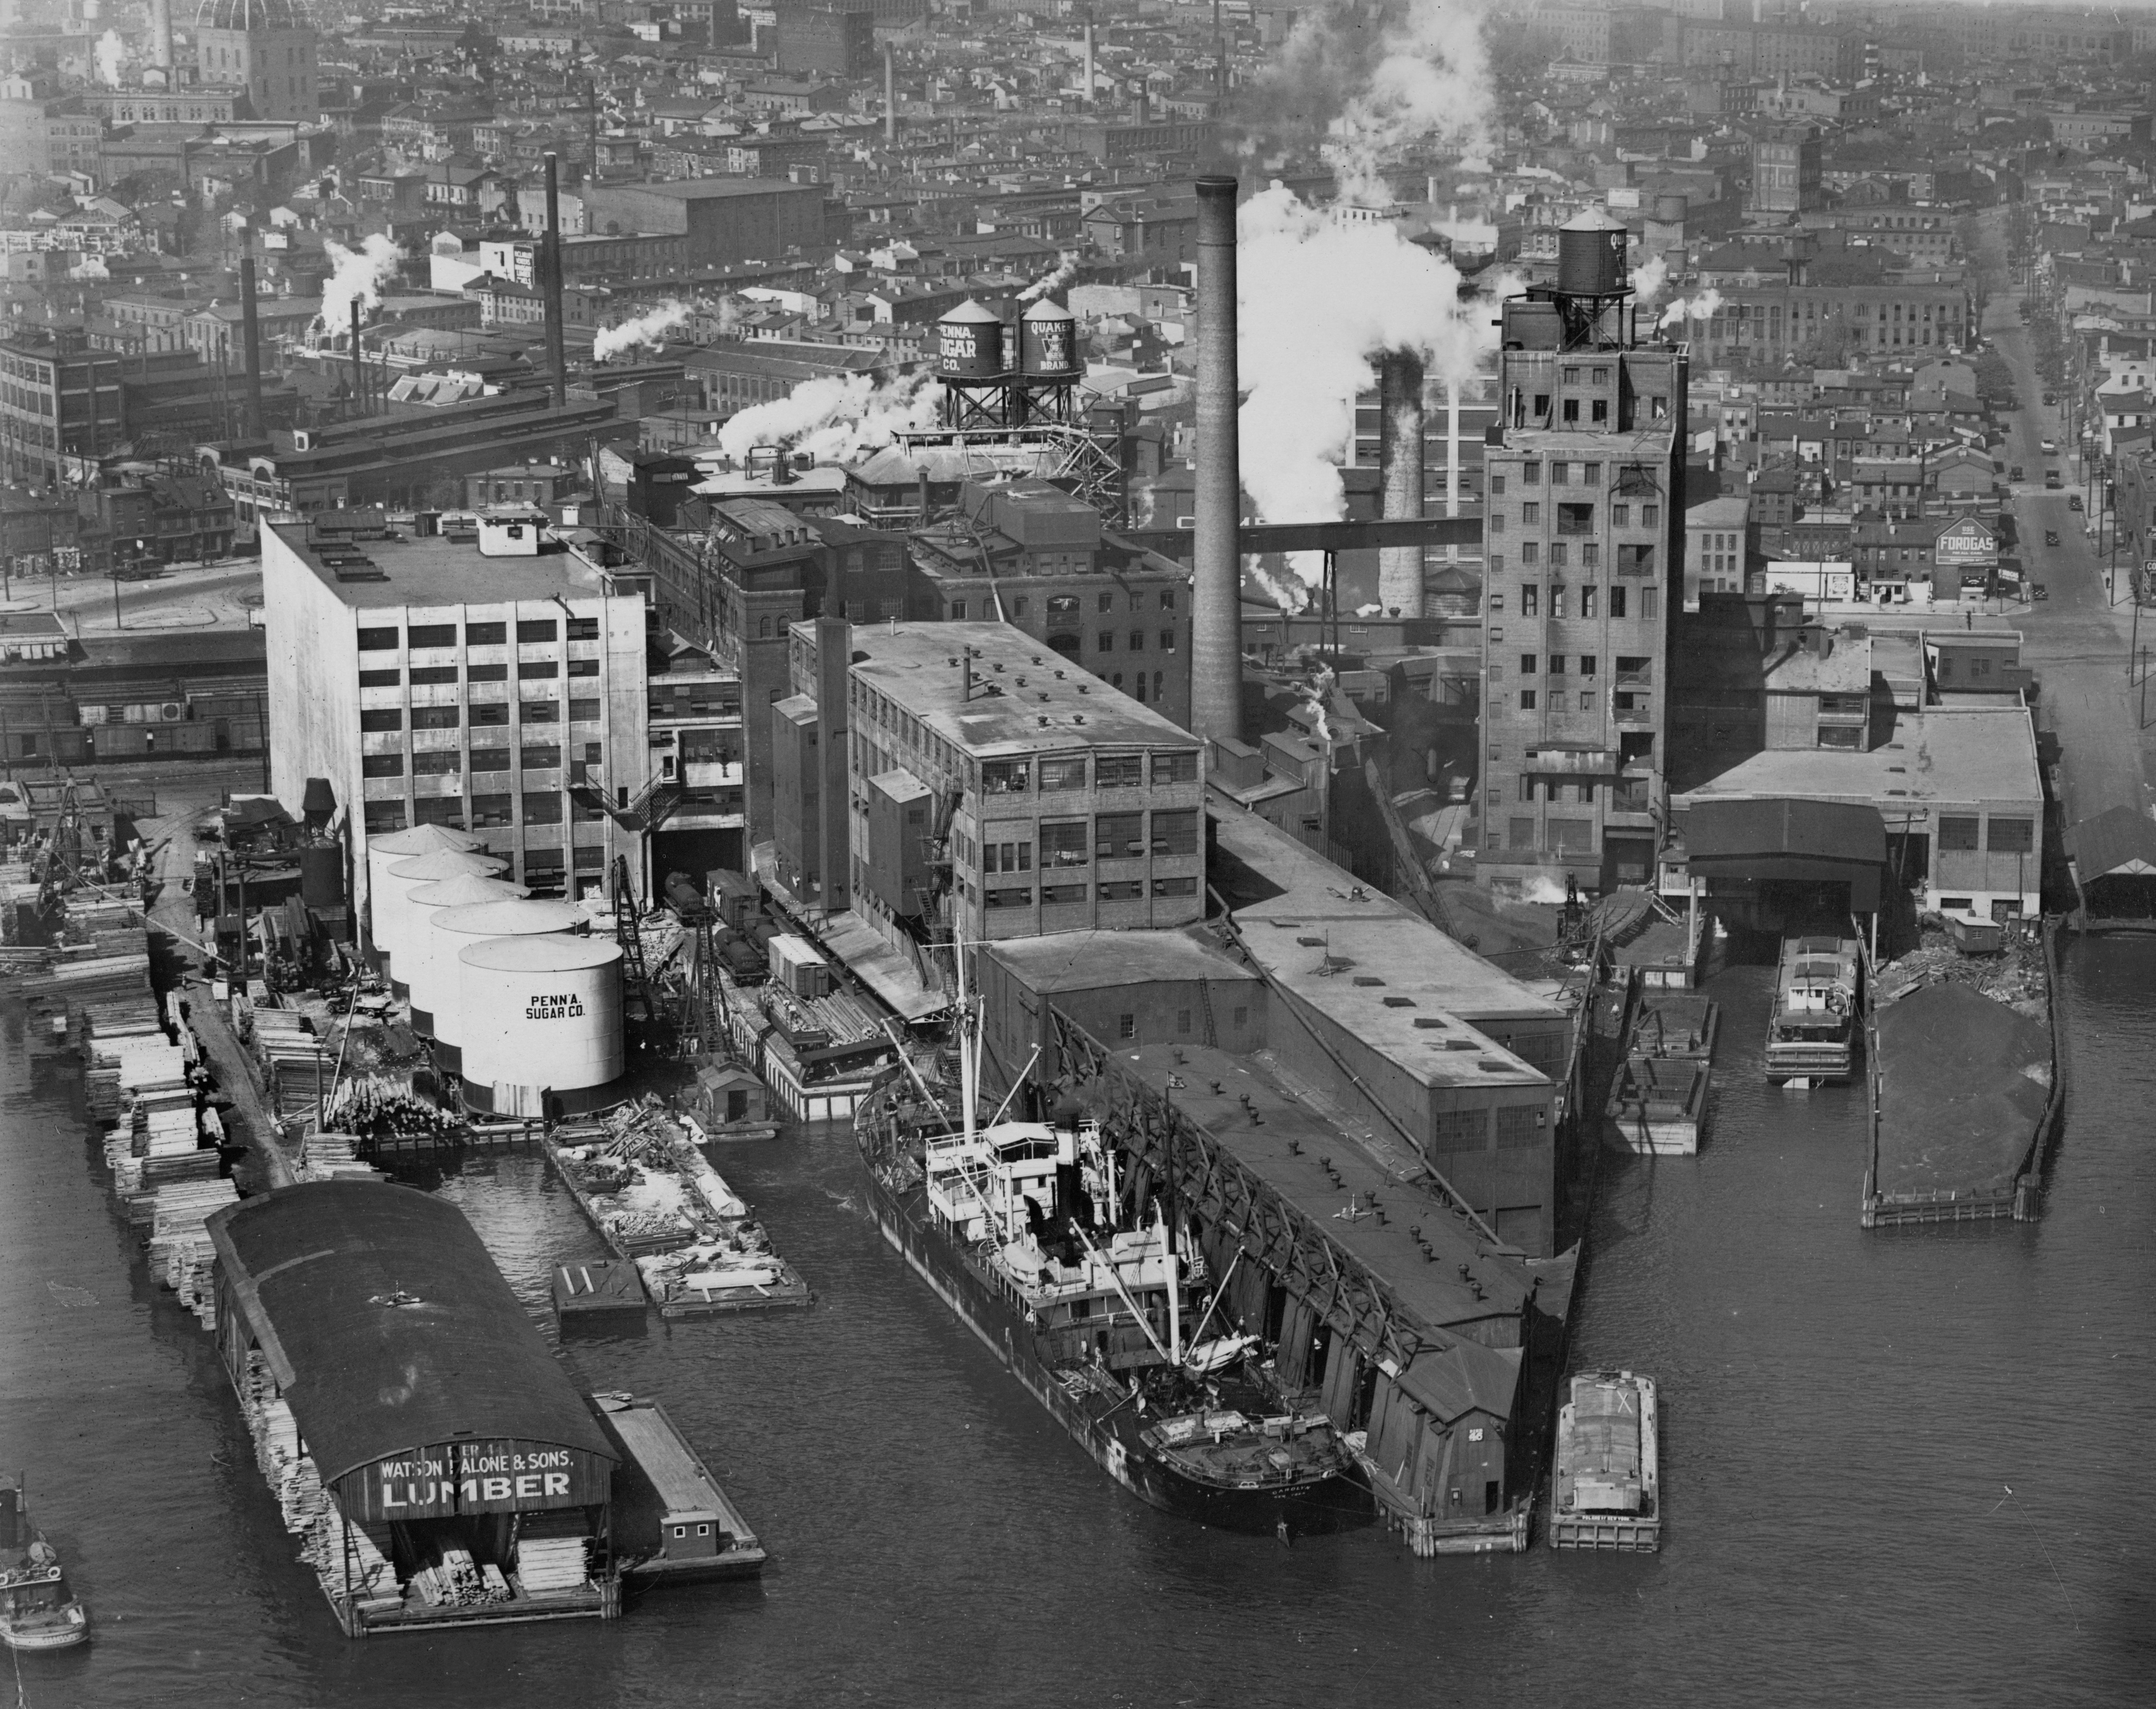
column 585, row 1289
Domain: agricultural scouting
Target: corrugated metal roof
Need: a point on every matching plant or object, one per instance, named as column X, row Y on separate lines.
column 1724, row 830
column 2115, row 839
column 311, row 1265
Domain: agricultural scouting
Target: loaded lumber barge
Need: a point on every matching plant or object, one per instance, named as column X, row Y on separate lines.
column 1966, row 1093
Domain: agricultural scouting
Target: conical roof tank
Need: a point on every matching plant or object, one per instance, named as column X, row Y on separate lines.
column 1590, row 254
column 394, row 922
column 543, row 1019
column 455, row 929
column 391, row 848
column 969, row 342
column 1048, row 339
column 423, row 969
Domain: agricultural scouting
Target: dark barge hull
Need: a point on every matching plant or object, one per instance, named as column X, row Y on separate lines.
column 1112, row 1434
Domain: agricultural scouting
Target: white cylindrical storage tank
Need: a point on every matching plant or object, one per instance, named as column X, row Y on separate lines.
column 391, row 848
column 542, row 1020
column 455, row 930
column 427, row 970
column 393, row 924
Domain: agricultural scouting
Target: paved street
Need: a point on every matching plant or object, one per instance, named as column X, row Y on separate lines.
column 215, row 596
column 2076, row 642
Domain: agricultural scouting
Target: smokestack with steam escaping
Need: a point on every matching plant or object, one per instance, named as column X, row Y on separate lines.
column 1399, row 476
column 550, row 284
column 1216, row 639
column 358, row 366
column 889, row 96
column 250, row 333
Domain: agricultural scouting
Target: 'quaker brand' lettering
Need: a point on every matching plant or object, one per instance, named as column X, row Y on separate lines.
column 566, row 1007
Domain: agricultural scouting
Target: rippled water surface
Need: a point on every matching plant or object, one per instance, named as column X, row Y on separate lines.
column 1844, row 1414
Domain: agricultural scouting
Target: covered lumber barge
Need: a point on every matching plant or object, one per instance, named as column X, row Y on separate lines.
column 672, row 1522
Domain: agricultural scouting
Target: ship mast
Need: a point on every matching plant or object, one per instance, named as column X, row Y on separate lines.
column 1174, row 1289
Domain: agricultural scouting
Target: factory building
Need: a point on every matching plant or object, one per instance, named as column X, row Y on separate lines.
column 496, row 688
column 726, row 221
column 1583, row 547
column 960, row 776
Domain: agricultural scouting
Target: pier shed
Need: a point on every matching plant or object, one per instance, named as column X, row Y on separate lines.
column 1764, row 855
column 2114, row 857
column 452, row 1444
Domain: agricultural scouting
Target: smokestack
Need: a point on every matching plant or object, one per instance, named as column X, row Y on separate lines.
column 358, row 367
column 1400, row 476
column 550, row 284
column 1216, row 639
column 1087, row 96
column 161, row 33
column 250, row 333
column 889, row 96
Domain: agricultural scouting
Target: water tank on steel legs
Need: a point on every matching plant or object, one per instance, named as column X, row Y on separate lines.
column 1048, row 340
column 393, row 917
column 969, row 342
column 391, row 849
column 1590, row 254
column 456, row 930
column 542, row 1020
column 426, row 968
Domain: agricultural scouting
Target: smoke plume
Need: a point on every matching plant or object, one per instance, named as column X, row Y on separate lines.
column 357, row 276
column 1702, row 307
column 1648, row 280
column 1319, row 299
column 644, row 331
column 834, row 420
column 110, row 52
column 1048, row 282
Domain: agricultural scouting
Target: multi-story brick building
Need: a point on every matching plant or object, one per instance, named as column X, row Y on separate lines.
column 1583, row 549
column 61, row 408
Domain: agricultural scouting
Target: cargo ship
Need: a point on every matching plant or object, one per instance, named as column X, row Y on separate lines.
column 38, row 1611
column 1811, row 1038
column 1025, row 1231
column 1607, row 1494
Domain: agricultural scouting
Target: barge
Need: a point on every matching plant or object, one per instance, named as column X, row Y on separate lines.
column 1607, row 1491
column 1658, row 1096
column 672, row 1522
column 657, row 1202
column 38, row 1611
column 1811, row 1038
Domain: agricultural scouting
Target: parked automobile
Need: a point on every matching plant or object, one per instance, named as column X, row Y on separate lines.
column 2074, row 501
column 2048, row 447
column 2050, row 398
column 2051, row 481
column 2039, row 591
column 2050, row 536
column 2013, row 474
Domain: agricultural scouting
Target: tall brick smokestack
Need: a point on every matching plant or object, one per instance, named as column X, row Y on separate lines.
column 889, row 96
column 1400, row 476
column 550, row 286
column 1216, row 641
column 161, row 33
column 250, row 336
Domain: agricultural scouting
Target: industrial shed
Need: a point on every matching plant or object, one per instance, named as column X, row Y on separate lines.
column 439, row 1423
column 2114, row 865
column 1743, row 848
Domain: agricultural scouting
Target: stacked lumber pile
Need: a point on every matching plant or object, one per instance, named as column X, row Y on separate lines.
column 547, row 1564
column 372, row 1576
column 457, row 1580
column 180, row 1251
column 328, row 1156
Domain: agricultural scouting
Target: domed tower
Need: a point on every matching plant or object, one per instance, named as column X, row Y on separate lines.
column 265, row 47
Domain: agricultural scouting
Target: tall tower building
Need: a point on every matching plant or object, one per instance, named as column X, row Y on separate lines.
column 1583, row 544
column 265, row 47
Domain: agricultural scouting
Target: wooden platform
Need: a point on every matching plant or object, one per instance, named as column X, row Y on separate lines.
column 364, row 1618
column 598, row 1287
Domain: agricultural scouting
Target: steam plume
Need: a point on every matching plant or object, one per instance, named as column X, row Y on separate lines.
column 109, row 51
column 1702, row 307
column 643, row 331
column 1648, row 280
column 1321, row 299
column 835, row 419
column 358, row 276
column 1048, row 282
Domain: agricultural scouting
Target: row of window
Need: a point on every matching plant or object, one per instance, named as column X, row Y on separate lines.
column 1123, row 771
column 1051, row 895
column 1630, row 667
column 541, row 807
column 1590, row 601
column 485, row 716
column 476, row 635
column 528, row 671
column 532, row 757
column 1074, row 842
column 2003, row 836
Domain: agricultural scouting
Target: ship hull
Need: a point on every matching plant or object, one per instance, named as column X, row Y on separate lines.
column 1107, row 1431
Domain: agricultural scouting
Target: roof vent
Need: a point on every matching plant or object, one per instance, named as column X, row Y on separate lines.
column 1312, row 942
column 1367, row 979
column 1490, row 1065
column 1427, row 1023
column 1397, row 1002
column 1461, row 1045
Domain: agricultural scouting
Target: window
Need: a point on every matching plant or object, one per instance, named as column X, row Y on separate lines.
column 1122, row 890
column 437, row 762
column 1556, row 664
column 1063, row 843
column 1168, row 640
column 1020, row 606
column 1064, row 605
column 384, row 816
column 1175, row 887
column 1531, row 473
column 1557, row 557
column 1598, row 410
column 489, row 759
column 531, row 669
column 1556, row 602
column 1496, row 521
column 1571, row 412
column 1106, row 641
column 1175, row 833
column 1005, row 777
column 542, row 711
column 378, row 718
column 1650, row 515
column 584, row 711
column 432, row 634
column 1616, row 602
column 1575, row 519
column 1062, row 774
column 486, row 673
column 1014, row 854
column 1531, row 515
column 425, row 674
column 1587, row 598
column 485, row 634
column 490, row 811
column 1591, row 474
column 1957, row 833
column 543, row 807
column 1051, row 894
column 380, row 679
column 539, row 757
column 958, row 611
column 1527, row 665
column 1527, row 700
column 1168, row 600
column 1586, row 664
column 1531, row 597
column 1496, row 600
column 1530, row 553
column 437, row 717
column 2010, row 836
column 1119, row 836
column 1137, row 641
column 1021, row 898
column 1621, row 515
column 489, row 715
column 542, row 628
column 1651, row 603
column 1635, row 560
column 1126, row 1026
column 1122, row 771
column 1587, row 700
column 381, row 765
column 1174, row 768
column 1107, row 602
column 378, row 640
column 583, row 629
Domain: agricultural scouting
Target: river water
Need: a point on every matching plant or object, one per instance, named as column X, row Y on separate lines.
column 1845, row 1416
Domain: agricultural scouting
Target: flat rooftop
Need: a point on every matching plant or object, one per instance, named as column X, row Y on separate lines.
column 1979, row 754
column 429, row 571
column 1845, row 669
column 1026, row 698
column 1088, row 961
column 1281, row 892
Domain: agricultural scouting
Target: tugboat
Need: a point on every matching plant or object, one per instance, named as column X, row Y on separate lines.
column 1024, row 1230
column 37, row 1609
column 1812, row 1037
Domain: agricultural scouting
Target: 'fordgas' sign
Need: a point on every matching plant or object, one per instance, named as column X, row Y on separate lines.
column 1966, row 544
